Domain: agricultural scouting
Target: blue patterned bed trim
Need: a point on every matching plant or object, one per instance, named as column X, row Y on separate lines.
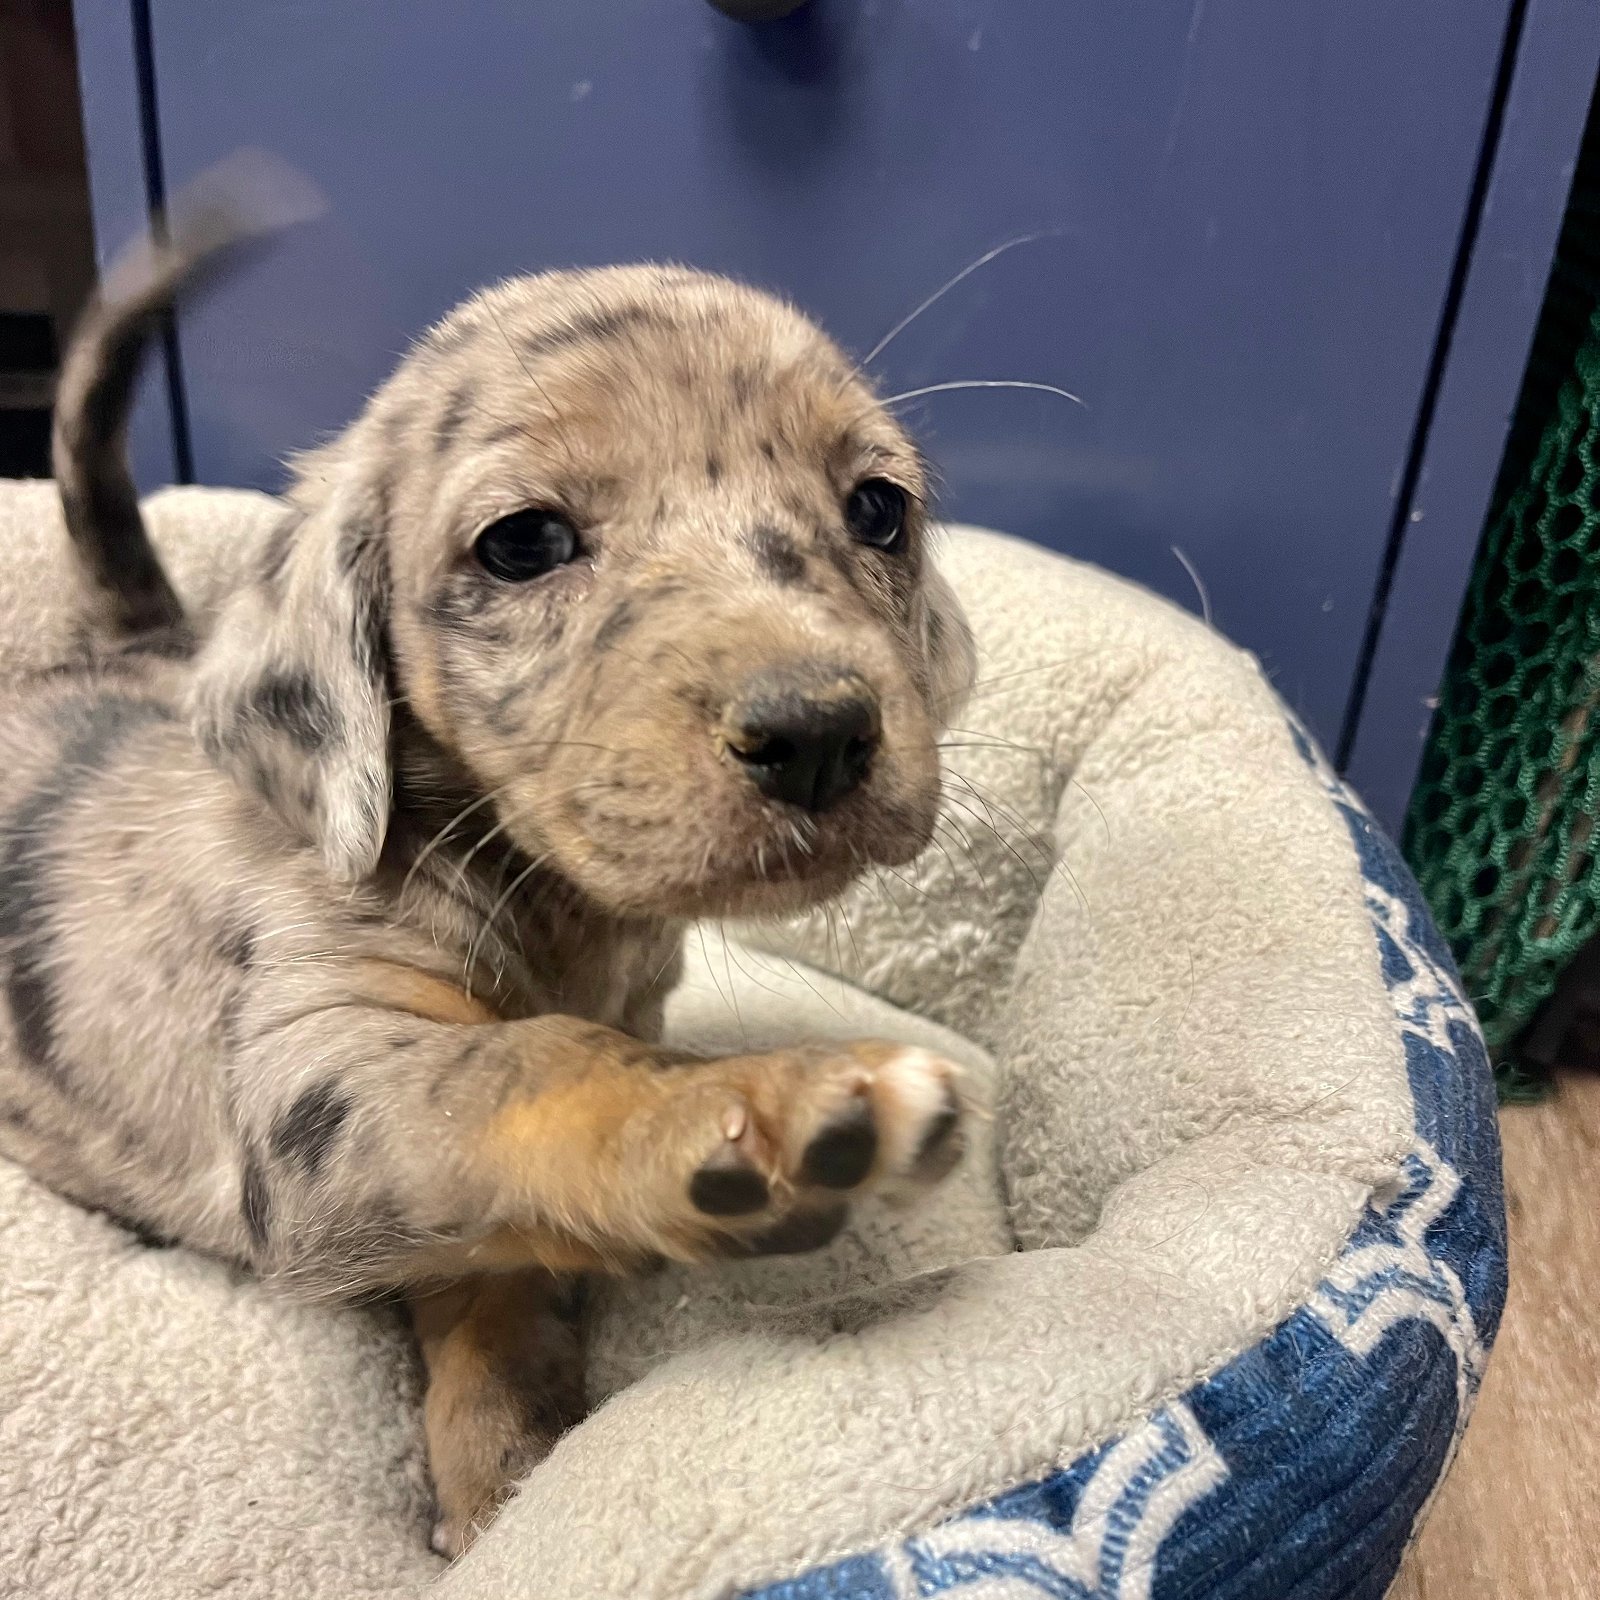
column 1298, row 1470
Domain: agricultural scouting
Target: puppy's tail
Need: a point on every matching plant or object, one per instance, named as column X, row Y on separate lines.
column 212, row 225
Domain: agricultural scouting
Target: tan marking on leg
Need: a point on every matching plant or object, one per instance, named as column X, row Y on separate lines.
column 386, row 983
column 505, row 1381
column 632, row 1155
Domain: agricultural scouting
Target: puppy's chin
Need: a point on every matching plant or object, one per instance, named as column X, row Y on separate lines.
column 751, row 878
column 761, row 900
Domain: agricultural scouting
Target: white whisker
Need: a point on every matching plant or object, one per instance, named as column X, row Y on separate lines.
column 439, row 838
column 494, row 912
column 796, row 972
column 984, row 383
column 965, row 844
column 1199, row 587
column 858, row 967
column 950, row 283
column 733, row 988
column 750, row 977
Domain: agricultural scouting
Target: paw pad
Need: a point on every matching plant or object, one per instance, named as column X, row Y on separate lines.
column 841, row 1155
column 799, row 1232
column 940, row 1149
column 728, row 1186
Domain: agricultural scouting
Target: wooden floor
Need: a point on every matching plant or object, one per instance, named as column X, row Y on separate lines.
column 1519, row 1516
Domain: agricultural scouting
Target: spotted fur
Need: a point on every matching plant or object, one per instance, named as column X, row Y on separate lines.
column 334, row 935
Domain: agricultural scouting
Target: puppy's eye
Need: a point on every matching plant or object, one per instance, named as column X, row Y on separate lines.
column 876, row 513
column 526, row 545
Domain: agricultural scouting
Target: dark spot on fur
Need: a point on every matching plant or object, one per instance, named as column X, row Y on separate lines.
column 777, row 554
column 499, row 712
column 742, row 384
column 279, row 547
column 456, row 411
column 228, row 1020
column 713, row 468
column 506, row 432
column 598, row 327
column 596, row 491
column 93, row 730
column 32, row 998
column 150, row 1238
column 621, row 619
column 697, row 697
column 935, row 630
column 305, row 1132
column 297, row 705
column 768, row 449
column 441, row 1082
column 539, row 677
column 263, row 780
column 238, row 948
column 404, row 1041
column 255, row 1203
column 459, row 601
column 18, row 1117
column 168, row 644
column 354, row 544
column 368, row 646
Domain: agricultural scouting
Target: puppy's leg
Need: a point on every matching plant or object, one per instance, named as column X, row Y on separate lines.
column 505, row 1380
column 383, row 1147
column 698, row 1159
column 396, row 1135
column 386, row 1145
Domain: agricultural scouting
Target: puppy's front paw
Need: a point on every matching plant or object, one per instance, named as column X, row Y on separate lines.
column 804, row 1132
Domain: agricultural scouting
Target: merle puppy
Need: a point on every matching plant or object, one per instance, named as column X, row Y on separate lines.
column 336, row 932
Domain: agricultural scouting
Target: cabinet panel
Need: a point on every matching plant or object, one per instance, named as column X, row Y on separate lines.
column 1250, row 209
column 1526, row 195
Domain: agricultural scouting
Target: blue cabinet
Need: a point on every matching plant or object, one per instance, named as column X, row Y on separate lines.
column 1255, row 221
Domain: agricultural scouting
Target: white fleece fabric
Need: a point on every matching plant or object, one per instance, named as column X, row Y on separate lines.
column 1142, row 932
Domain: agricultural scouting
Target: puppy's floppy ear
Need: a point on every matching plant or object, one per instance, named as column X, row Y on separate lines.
column 291, row 694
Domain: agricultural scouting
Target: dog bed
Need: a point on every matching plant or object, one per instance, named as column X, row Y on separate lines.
column 1202, row 1314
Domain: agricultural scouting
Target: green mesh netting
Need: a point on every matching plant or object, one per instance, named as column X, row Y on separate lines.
column 1501, row 830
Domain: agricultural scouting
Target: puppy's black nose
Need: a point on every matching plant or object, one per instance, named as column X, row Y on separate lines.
column 804, row 735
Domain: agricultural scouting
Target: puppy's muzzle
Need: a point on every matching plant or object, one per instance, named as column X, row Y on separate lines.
column 805, row 734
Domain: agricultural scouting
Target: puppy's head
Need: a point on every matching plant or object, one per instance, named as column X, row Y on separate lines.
column 642, row 552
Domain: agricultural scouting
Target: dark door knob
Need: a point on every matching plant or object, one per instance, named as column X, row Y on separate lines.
column 757, row 10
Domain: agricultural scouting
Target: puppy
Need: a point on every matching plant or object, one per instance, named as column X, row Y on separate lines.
column 335, row 934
